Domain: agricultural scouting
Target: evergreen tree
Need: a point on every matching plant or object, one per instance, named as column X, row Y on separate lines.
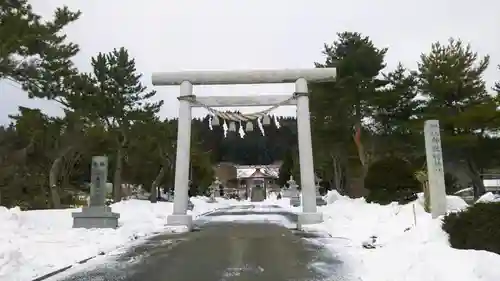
column 358, row 62
column 118, row 98
column 395, row 125
column 28, row 41
column 451, row 80
column 286, row 168
column 497, row 85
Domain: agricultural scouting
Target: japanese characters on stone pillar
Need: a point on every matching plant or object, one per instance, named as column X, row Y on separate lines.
column 99, row 176
column 435, row 169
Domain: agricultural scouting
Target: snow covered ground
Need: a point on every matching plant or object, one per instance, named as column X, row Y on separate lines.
column 34, row 243
column 409, row 244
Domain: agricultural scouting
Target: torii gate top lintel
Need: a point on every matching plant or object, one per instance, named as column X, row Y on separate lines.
column 232, row 77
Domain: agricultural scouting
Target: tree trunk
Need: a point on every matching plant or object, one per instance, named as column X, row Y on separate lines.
column 117, row 178
column 129, row 190
column 477, row 181
column 362, row 156
column 54, row 177
column 154, row 186
column 54, row 192
column 337, row 174
column 46, row 193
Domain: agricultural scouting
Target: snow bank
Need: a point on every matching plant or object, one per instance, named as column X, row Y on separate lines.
column 33, row 243
column 410, row 245
column 488, row 197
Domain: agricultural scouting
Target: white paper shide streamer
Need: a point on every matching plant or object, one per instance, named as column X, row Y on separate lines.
column 239, row 122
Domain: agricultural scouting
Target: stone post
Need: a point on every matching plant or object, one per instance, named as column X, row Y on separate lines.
column 435, row 169
column 97, row 214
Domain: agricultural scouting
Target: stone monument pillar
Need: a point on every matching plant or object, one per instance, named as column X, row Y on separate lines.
column 97, row 214
column 294, row 192
column 435, row 170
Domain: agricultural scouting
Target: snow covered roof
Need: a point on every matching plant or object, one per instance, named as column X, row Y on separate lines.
column 274, row 172
column 257, row 172
column 244, row 173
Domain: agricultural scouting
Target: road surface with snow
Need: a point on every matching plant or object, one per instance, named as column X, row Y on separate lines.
column 228, row 244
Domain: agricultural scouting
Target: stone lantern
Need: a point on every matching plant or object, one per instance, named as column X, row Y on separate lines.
column 293, row 192
column 214, row 187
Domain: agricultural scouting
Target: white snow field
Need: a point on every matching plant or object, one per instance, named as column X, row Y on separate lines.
column 410, row 245
column 34, row 243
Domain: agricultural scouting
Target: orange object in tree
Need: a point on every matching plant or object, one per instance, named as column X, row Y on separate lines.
column 357, row 136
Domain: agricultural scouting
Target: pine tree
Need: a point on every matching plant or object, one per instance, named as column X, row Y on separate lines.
column 497, row 84
column 451, row 80
column 338, row 108
column 28, row 41
column 118, row 98
column 286, row 168
column 394, row 113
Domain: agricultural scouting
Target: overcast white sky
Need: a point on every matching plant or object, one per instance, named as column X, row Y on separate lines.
column 174, row 35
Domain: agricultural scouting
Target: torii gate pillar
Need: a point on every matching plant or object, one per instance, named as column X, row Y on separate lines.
column 187, row 79
column 309, row 213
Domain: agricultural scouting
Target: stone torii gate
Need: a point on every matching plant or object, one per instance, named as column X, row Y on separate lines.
column 187, row 79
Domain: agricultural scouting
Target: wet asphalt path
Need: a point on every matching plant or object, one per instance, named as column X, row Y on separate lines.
column 221, row 251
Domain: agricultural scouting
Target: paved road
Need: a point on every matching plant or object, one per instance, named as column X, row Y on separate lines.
column 221, row 251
